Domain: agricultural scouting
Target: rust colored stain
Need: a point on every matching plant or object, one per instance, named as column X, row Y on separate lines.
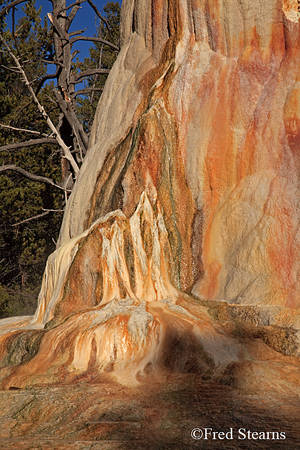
column 200, row 195
column 158, row 169
column 210, row 285
column 83, row 288
column 282, row 248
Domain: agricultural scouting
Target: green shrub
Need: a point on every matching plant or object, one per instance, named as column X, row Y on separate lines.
column 17, row 302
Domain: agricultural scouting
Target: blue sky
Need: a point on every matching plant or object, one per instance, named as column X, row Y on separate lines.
column 85, row 18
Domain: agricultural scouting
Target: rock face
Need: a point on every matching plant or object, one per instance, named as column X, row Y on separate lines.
column 179, row 249
column 107, row 304
column 201, row 111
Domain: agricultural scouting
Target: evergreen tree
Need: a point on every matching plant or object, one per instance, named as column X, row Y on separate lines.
column 31, row 211
column 23, row 247
column 101, row 56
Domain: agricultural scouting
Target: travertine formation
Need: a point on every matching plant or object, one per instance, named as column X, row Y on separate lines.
column 180, row 246
column 201, row 111
column 107, row 304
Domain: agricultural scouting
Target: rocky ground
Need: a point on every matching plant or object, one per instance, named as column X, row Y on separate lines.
column 158, row 409
column 109, row 416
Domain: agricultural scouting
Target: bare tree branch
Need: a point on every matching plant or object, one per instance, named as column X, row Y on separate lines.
column 5, row 9
column 86, row 91
column 74, row 33
column 13, row 29
column 11, row 69
column 29, row 143
column 24, row 130
column 75, row 9
column 51, row 100
column 59, row 140
column 77, row 3
column 45, row 78
column 96, row 76
column 75, row 53
column 45, row 213
column 99, row 15
column 54, row 210
column 94, row 39
column 39, row 216
column 31, row 176
column 19, row 112
column 88, row 73
column 47, row 61
column 76, row 6
column 70, row 115
column 61, row 32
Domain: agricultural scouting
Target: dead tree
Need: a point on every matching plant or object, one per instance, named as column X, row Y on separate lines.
column 68, row 133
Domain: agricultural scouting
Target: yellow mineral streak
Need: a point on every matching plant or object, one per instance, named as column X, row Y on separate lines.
column 291, row 9
column 151, row 278
column 55, row 275
column 114, row 263
column 136, row 319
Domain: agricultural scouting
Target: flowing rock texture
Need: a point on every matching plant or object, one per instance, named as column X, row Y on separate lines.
column 180, row 246
column 201, row 112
